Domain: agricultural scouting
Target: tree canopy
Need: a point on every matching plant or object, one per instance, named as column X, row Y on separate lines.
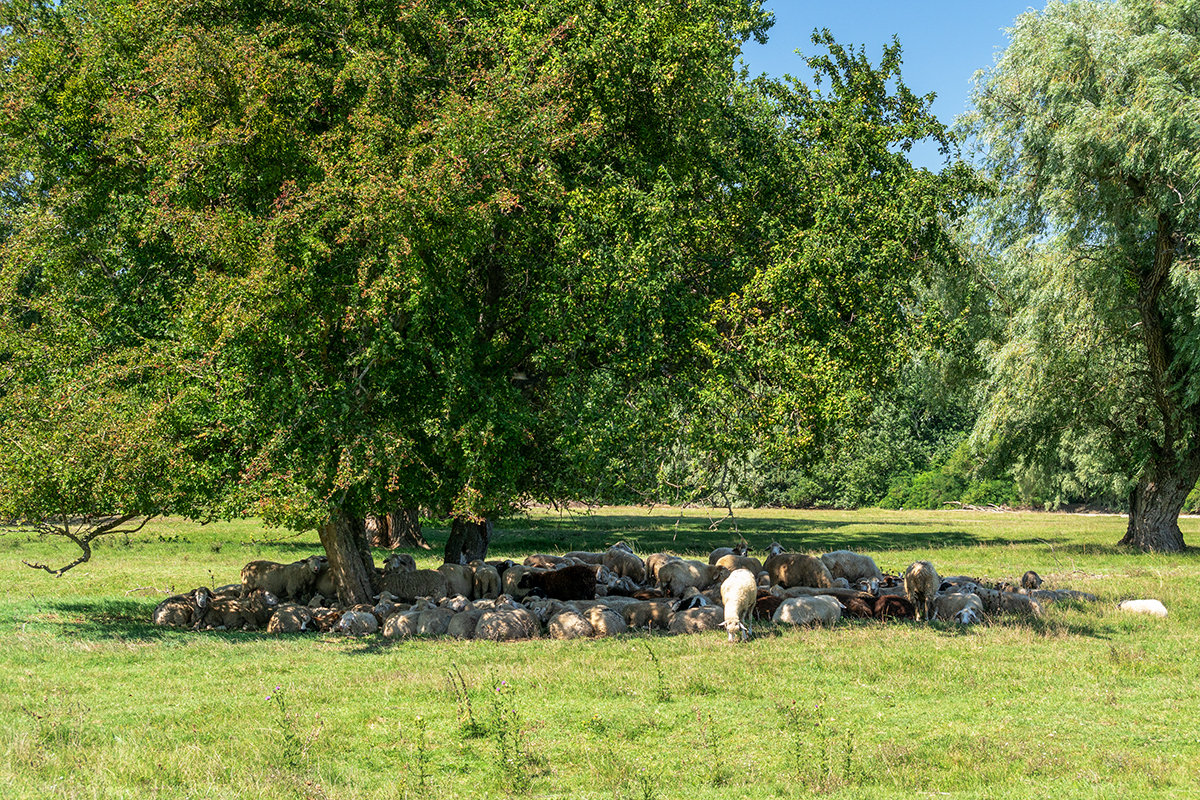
column 1087, row 125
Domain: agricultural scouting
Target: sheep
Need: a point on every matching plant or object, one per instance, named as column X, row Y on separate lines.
column 649, row 614
column 399, row 562
column 766, row 604
column 677, row 576
column 456, row 603
column 434, row 621
column 585, row 556
column 964, row 608
column 325, row 619
column 546, row 561
column 184, row 610
column 326, row 585
column 654, row 563
column 797, row 569
column 408, row 586
column 235, row 613
column 358, row 623
column 1154, row 608
column 576, row 582
column 817, row 610
column 739, row 593
column 507, row 624
column 858, row 607
column 462, row 625
column 1031, row 580
column 605, row 621
column 569, row 624
column 228, row 590
column 402, row 625
column 511, row 577
column 621, row 560
column 544, row 608
column 721, row 552
column 851, row 566
column 288, row 581
column 1002, row 602
column 734, row 561
column 921, row 584
column 892, row 606
column 697, row 620
column 486, row 580
column 460, row 579
column 290, row 618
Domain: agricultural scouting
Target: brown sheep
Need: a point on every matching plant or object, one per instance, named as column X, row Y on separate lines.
column 184, row 610
column 290, row 618
column 293, row 581
column 677, row 576
column 237, row 613
column 734, row 561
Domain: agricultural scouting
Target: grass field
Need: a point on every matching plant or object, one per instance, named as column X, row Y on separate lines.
column 1088, row 702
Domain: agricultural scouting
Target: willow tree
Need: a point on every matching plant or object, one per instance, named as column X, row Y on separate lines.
column 1087, row 125
column 352, row 257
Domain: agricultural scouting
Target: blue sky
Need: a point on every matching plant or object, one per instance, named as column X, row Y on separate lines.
column 944, row 42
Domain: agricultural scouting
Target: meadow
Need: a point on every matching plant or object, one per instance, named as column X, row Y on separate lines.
column 1086, row 702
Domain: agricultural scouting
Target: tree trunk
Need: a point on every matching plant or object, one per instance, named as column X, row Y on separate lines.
column 345, row 541
column 404, row 529
column 377, row 530
column 468, row 540
column 1154, row 507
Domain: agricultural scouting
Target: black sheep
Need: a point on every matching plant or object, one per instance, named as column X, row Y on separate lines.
column 576, row 582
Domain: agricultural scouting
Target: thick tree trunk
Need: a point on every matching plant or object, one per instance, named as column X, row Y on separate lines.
column 468, row 540
column 350, row 561
column 404, row 529
column 1154, row 507
column 377, row 530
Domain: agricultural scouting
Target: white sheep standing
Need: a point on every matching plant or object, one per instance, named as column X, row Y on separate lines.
column 738, row 594
column 921, row 584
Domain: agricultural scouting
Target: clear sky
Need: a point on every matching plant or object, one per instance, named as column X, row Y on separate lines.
column 944, row 43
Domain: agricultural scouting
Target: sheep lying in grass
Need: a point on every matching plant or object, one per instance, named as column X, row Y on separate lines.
column 817, row 610
column 654, row 563
column 852, row 566
column 605, row 621
column 721, row 552
column 290, row 618
column 460, row 579
column 401, row 625
column 511, row 578
column 734, row 561
column 508, row 624
column 569, row 624
column 961, row 607
column 796, row 569
column 648, row 614
column 697, row 620
column 184, row 610
column 1154, row 608
column 921, row 584
column 462, row 625
column 486, row 580
column 434, row 621
column 679, row 576
column 585, row 556
column 739, row 592
column 1031, row 580
column 408, row 586
column 357, row 623
column 574, row 582
column 236, row 613
column 620, row 559
column 286, row 581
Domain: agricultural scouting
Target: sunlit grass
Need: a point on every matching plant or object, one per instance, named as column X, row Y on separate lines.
column 1087, row 702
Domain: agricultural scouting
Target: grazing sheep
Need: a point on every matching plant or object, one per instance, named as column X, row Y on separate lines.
column 654, row 563
column 734, row 561
column 852, row 566
column 576, row 582
column 964, row 608
column 507, row 624
column 721, row 552
column 921, row 584
column 797, row 569
column 487, row 580
column 402, row 625
column 288, row 581
column 460, row 579
column 648, row 614
column 434, row 621
column 1154, row 608
column 408, row 586
column 678, row 576
column 290, row 618
column 892, row 606
column 820, row 609
column 237, row 613
column 358, row 623
column 1031, row 580
column 184, row 610
column 605, row 621
column 569, row 624
column 621, row 559
column 697, row 620
column 739, row 593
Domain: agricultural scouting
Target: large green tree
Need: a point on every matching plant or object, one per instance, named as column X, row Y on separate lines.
column 1087, row 125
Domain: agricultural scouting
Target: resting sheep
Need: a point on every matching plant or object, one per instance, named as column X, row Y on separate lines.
column 1031, row 580
column 797, row 569
column 678, row 576
column 358, row 623
column 961, row 607
column 507, row 624
column 460, row 579
column 486, row 580
column 818, row 610
column 654, row 563
column 739, row 592
column 434, row 621
column 921, row 584
column 648, row 614
column 236, row 613
column 290, row 618
column 734, row 561
column 184, row 610
column 852, row 566
column 1154, row 608
column 575, row 582
column 408, row 586
column 720, row 552
column 620, row 559
column 287, row 581
column 605, row 621
column 569, row 624
column 697, row 620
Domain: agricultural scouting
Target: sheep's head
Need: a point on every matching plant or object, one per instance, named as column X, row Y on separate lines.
column 1031, row 580
column 317, row 563
column 775, row 548
column 741, row 549
column 202, row 596
column 966, row 616
column 622, row 546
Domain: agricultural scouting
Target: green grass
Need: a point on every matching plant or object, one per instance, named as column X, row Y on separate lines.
column 1086, row 703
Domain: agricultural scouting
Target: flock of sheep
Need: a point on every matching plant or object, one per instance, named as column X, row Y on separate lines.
column 588, row 594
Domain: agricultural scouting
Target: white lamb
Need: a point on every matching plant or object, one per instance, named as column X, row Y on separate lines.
column 738, row 593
